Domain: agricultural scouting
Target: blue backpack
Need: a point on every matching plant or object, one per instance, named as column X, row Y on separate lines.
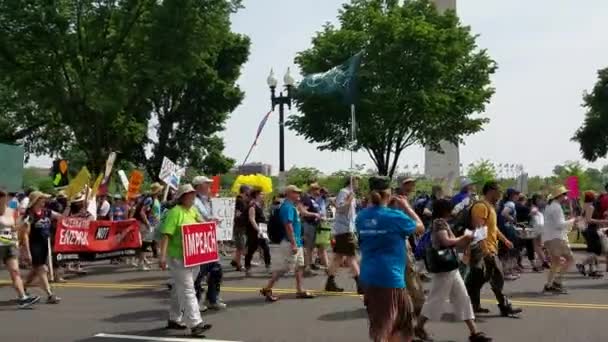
column 422, row 245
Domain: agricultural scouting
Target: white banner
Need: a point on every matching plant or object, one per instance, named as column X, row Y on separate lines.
column 223, row 208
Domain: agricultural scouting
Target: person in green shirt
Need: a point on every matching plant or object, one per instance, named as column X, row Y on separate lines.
column 184, row 311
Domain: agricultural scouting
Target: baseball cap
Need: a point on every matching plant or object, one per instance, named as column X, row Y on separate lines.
column 198, row 180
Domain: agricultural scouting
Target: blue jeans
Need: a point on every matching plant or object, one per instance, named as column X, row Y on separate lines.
column 213, row 273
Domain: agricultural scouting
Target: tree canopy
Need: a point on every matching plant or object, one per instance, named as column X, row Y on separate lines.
column 421, row 80
column 592, row 135
column 126, row 76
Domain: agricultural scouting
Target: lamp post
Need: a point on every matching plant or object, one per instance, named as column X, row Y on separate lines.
column 281, row 101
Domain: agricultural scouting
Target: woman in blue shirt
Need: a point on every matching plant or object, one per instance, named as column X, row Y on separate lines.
column 382, row 238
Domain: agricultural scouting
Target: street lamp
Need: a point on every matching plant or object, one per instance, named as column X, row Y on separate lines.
column 281, row 101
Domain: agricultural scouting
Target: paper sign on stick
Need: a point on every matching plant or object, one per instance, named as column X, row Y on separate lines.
column 123, row 179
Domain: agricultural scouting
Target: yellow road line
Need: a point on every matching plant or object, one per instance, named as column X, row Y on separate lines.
column 231, row 289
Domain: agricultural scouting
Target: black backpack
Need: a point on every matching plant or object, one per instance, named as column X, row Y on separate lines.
column 463, row 221
column 276, row 231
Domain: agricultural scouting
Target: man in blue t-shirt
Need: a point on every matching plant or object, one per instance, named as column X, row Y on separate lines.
column 291, row 253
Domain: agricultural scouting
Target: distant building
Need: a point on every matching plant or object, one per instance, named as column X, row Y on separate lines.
column 253, row 168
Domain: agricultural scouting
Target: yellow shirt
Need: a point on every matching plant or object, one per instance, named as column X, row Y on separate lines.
column 485, row 211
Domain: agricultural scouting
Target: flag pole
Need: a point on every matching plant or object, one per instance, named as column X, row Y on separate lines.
column 352, row 142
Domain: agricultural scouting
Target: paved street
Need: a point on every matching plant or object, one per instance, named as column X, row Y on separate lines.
column 132, row 303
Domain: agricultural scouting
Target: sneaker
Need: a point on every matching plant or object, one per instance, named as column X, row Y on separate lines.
column 551, row 289
column 217, row 306
column 509, row 310
column 53, row 299
column 144, row 267
column 203, row 307
column 199, row 330
column 255, row 264
column 481, row 310
column 315, row 267
column 173, row 325
column 560, row 288
column 511, row 277
column 479, row 337
column 28, row 301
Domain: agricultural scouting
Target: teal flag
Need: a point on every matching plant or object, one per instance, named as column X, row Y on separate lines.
column 340, row 81
column 11, row 172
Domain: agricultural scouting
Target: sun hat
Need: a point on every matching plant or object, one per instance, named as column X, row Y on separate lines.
column 79, row 197
column 560, row 190
column 184, row 189
column 407, row 180
column 35, row 196
column 198, row 180
column 292, row 188
column 156, row 188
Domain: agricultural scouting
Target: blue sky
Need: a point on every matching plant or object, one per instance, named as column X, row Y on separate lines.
column 548, row 53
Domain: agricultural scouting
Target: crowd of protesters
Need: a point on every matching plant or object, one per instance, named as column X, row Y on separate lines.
column 391, row 240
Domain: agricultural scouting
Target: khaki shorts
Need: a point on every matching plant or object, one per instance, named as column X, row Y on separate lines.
column 8, row 252
column 286, row 261
column 558, row 248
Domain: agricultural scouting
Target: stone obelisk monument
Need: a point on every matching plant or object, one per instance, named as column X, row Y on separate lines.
column 443, row 166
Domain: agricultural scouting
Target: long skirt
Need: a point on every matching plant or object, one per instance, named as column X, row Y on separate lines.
column 390, row 312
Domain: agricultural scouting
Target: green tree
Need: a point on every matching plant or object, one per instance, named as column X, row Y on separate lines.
column 302, row 176
column 482, row 171
column 421, row 80
column 592, row 135
column 124, row 76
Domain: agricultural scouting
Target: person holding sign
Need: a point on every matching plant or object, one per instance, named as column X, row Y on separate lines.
column 211, row 271
column 36, row 230
column 184, row 312
column 291, row 249
column 257, row 231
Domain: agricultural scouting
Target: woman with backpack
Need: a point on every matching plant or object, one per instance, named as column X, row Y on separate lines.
column 447, row 285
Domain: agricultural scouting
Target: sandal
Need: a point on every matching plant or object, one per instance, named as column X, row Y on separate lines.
column 267, row 293
column 304, row 295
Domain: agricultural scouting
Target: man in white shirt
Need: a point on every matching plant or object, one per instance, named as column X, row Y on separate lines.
column 555, row 238
column 212, row 271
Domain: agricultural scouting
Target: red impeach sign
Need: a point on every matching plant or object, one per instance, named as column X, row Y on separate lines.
column 200, row 244
column 79, row 235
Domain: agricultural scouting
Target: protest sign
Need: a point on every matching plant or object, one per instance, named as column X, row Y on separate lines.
column 96, row 185
column 170, row 173
column 82, row 239
column 60, row 173
column 215, row 186
column 78, row 183
column 109, row 165
column 123, row 179
column 199, row 242
column 223, row 208
column 11, row 172
column 135, row 182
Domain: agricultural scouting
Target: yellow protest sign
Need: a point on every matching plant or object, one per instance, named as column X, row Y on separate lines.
column 135, row 181
column 78, row 183
column 97, row 184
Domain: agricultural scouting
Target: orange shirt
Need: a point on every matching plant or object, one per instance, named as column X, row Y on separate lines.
column 484, row 210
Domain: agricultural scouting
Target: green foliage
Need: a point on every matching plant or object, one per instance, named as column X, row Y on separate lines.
column 421, row 80
column 592, row 135
column 123, row 76
column 302, row 176
column 482, row 171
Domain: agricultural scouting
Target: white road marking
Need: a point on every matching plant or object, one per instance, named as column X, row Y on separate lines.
column 153, row 338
